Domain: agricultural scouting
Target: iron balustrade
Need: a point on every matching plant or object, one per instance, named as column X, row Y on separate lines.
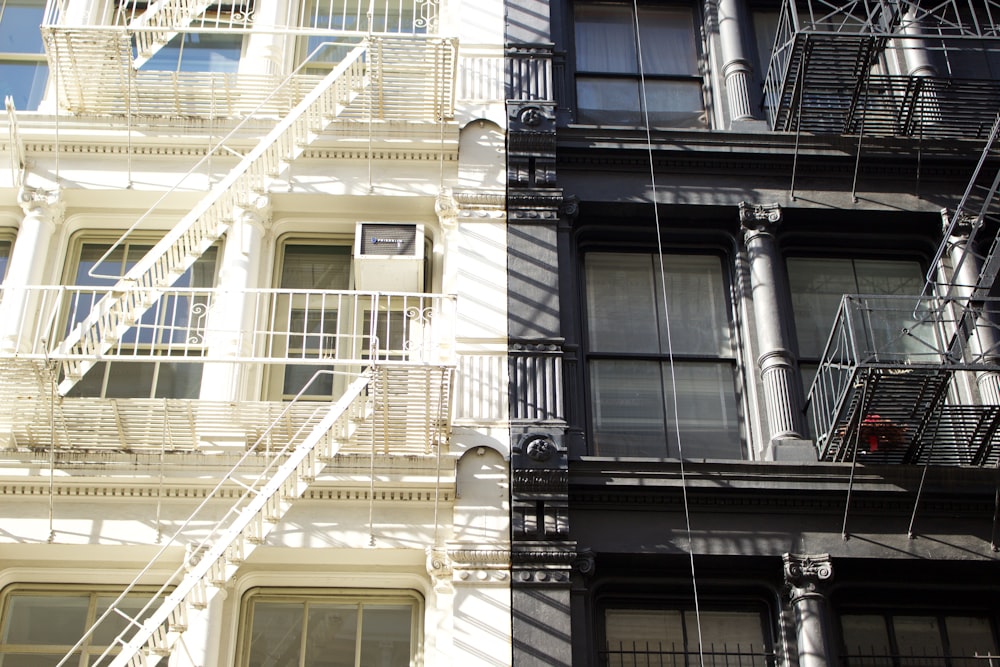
column 889, row 383
column 255, row 325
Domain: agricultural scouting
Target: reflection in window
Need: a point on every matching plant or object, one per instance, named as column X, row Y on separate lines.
column 199, row 52
column 641, row 637
column 632, row 379
column 39, row 626
column 316, row 630
column 609, row 54
column 23, row 68
column 171, row 326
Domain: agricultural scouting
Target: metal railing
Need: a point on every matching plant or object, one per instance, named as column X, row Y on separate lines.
column 663, row 654
column 255, row 325
column 883, row 377
column 834, row 67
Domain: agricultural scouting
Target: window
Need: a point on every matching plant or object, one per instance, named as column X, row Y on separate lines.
column 23, row 68
column 312, row 313
column 819, row 283
column 631, row 376
column 40, row 625
column 636, row 637
column 387, row 16
column 172, row 326
column 917, row 639
column 5, row 246
column 313, row 629
column 217, row 46
column 608, row 50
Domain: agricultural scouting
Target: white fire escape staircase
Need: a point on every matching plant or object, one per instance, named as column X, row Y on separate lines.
column 152, row 633
column 125, row 303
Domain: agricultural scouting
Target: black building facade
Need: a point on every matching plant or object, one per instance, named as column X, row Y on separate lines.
column 718, row 458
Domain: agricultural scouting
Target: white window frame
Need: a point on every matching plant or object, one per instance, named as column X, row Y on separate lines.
column 339, row 596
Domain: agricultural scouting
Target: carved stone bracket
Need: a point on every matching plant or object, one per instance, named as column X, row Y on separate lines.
column 479, row 563
column 542, row 563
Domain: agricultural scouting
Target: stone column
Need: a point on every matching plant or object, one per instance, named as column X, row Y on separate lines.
column 231, row 317
column 736, row 66
column 20, row 311
column 778, row 368
column 806, row 578
column 983, row 343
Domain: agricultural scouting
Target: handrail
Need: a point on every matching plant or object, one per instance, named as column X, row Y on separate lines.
column 251, row 490
column 252, row 116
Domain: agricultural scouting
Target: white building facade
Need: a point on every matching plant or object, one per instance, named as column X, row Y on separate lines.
column 253, row 331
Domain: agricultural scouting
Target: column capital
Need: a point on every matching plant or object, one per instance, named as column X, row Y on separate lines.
column 759, row 218
column 804, row 574
column 964, row 224
column 47, row 204
column 446, row 208
column 256, row 212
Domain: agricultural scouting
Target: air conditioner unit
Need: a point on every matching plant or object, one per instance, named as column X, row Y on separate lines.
column 388, row 257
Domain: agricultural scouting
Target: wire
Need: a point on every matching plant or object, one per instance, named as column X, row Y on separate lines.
column 670, row 345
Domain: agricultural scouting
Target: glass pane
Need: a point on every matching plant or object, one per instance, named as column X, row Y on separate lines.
column 130, row 380
column 199, row 52
column 276, row 634
column 324, row 267
column 675, row 104
column 969, row 636
column 45, row 619
column 918, row 638
column 706, row 401
column 331, row 638
column 178, row 380
column 698, row 308
column 24, row 82
column 641, row 637
column 4, row 258
column 106, row 633
column 730, row 633
column 33, row 659
column 297, row 377
column 627, row 406
column 620, row 289
column 607, row 101
column 385, row 636
column 19, row 30
column 817, row 286
column 605, row 39
column 92, row 383
column 866, row 640
column 667, row 38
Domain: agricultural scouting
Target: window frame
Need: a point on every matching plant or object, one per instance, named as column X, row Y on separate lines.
column 37, row 58
column 738, row 601
column 695, row 77
column 93, row 594
column 401, row 597
column 307, row 304
column 161, row 349
column 730, row 361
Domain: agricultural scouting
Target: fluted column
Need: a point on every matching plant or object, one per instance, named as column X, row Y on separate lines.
column 778, row 368
column 736, row 66
column 806, row 579
column 984, row 343
column 43, row 211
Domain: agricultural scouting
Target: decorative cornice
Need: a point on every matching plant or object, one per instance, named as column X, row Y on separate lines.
column 539, row 480
column 180, row 492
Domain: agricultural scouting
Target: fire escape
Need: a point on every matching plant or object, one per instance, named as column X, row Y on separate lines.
column 394, row 348
column 914, row 379
column 885, row 67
